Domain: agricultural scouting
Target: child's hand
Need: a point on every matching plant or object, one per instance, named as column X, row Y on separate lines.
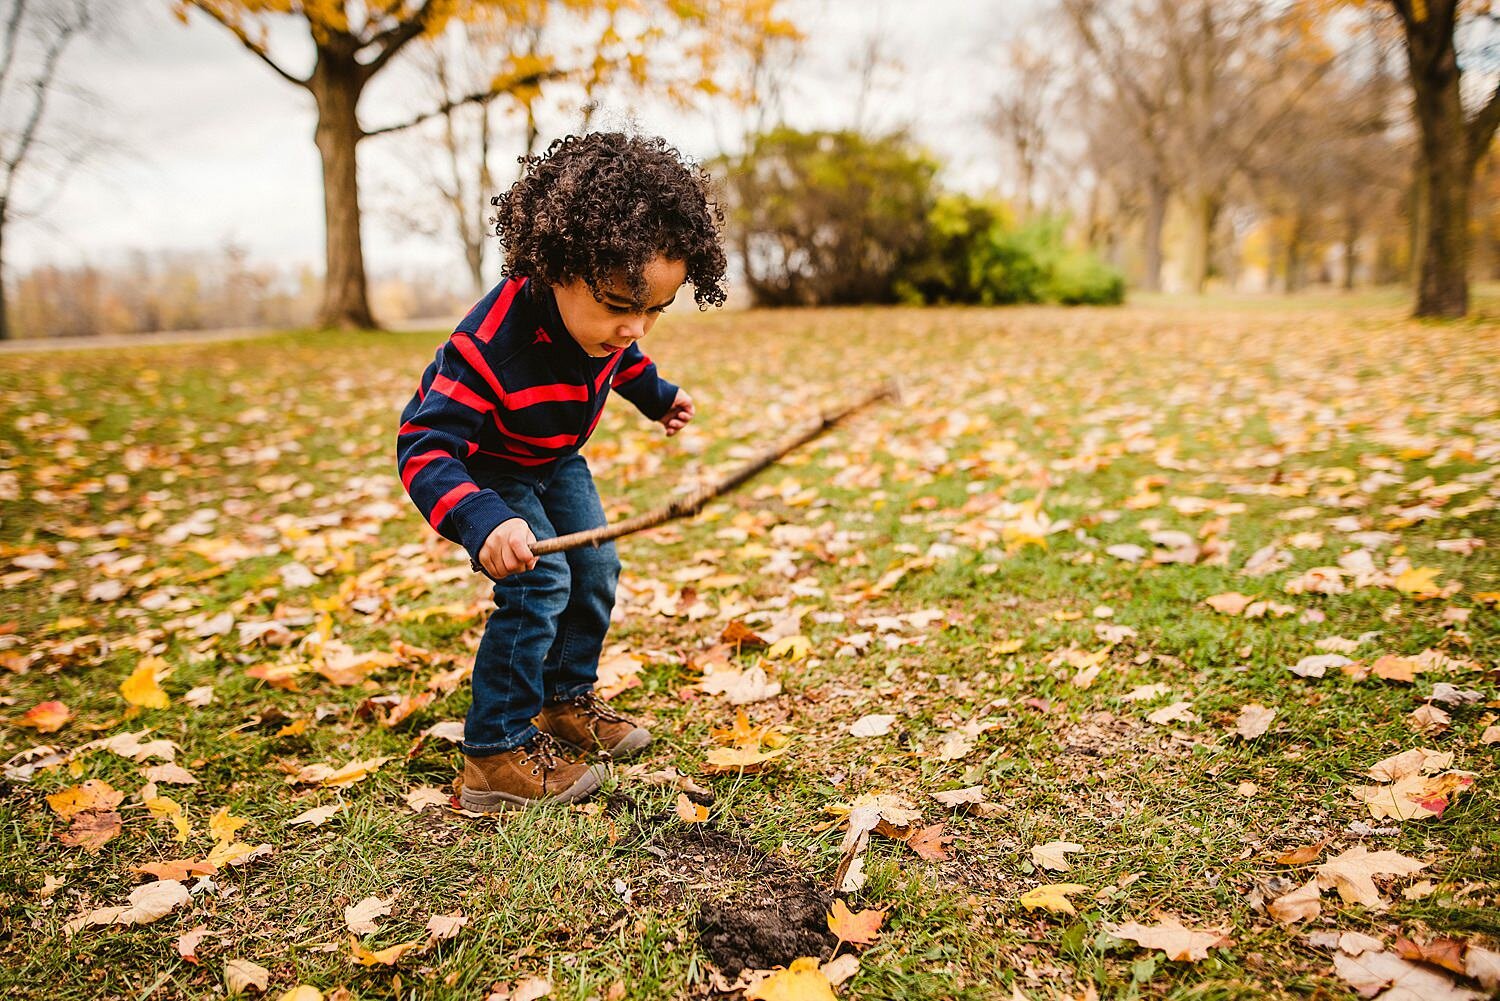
column 682, row 411
column 508, row 549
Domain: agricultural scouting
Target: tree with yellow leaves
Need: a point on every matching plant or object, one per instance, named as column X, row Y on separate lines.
column 354, row 40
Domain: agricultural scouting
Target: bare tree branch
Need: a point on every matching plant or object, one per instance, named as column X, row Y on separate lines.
column 394, row 38
column 42, row 87
column 478, row 97
column 12, row 41
column 249, row 43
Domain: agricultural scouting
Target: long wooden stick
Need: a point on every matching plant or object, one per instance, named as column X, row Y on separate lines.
column 691, row 504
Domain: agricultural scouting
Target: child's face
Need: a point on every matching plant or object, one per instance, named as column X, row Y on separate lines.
column 612, row 322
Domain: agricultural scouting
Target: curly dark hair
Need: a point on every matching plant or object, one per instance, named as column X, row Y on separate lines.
column 597, row 206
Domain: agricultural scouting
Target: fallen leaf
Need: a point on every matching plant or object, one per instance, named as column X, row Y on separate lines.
column 743, row 760
column 176, row 869
column 1052, row 897
column 1445, row 952
column 1372, row 972
column 302, row 992
column 929, row 843
column 1177, row 712
column 241, row 974
column 1253, row 721
column 147, row 903
column 44, row 717
column 423, row 797
column 360, row 917
column 690, row 812
column 1302, row 904
column 1052, row 855
column 441, row 927
column 862, row 928
column 315, row 817
column 141, row 687
column 187, row 943
column 95, row 794
column 1229, row 603
column 1171, row 937
column 1303, row 855
column 802, row 981
column 170, row 774
column 871, row 726
column 1352, row 873
column 382, row 957
column 223, row 825
column 91, row 830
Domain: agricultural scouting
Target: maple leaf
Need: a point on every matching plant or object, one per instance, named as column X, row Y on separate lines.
column 1352, row 872
column 45, row 717
column 223, row 825
column 1372, row 972
column 802, row 981
column 743, row 760
column 95, row 794
column 862, row 928
column 1414, row 797
column 360, row 917
column 1053, row 855
column 187, row 943
column 1173, row 938
column 739, row 687
column 141, row 687
column 91, row 830
column 1052, row 897
column 178, row 869
column 441, row 927
column 161, row 806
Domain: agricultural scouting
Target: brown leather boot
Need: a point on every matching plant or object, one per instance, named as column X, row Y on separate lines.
column 536, row 773
column 589, row 724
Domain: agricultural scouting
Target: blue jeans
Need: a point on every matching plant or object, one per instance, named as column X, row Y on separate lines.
column 543, row 639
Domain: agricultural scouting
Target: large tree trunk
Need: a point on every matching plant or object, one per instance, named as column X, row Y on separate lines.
column 1156, row 217
column 1443, row 283
column 336, row 84
column 1204, row 213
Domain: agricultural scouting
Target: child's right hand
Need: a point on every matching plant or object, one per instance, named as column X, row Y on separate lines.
column 508, row 549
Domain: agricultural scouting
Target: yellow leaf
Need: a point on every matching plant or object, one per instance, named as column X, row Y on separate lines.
column 95, row 794
column 162, row 806
column 690, row 812
column 793, row 648
column 141, row 688
column 1418, row 580
column 384, row 957
column 302, row 992
column 222, row 826
column 739, row 759
column 802, row 981
column 1053, row 897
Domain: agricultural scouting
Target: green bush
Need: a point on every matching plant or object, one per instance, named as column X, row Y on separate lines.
column 976, row 254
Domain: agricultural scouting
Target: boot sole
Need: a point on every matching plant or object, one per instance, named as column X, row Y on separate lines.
column 492, row 801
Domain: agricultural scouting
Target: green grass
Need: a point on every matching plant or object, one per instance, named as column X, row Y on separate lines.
column 1273, row 405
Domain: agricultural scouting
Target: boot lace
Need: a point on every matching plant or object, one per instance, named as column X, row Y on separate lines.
column 596, row 707
column 544, row 753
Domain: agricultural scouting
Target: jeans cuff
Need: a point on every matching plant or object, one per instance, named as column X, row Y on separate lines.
column 569, row 694
column 500, row 746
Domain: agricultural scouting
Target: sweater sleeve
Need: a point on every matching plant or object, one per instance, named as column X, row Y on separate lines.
column 440, row 429
column 637, row 380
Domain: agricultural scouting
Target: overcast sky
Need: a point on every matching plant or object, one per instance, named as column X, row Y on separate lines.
column 207, row 144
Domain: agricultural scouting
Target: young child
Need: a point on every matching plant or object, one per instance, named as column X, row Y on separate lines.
column 598, row 236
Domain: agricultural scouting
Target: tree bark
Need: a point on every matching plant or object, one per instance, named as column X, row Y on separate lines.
column 1204, row 209
column 336, row 83
column 1156, row 217
column 1443, row 282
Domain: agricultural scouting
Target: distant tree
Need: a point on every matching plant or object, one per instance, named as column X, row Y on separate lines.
column 33, row 41
column 1025, row 113
column 826, row 218
column 1452, row 139
column 355, row 40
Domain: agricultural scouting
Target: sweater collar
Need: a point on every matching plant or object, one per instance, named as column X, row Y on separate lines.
column 545, row 301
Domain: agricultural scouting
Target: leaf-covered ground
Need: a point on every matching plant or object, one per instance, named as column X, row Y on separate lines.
column 1004, row 692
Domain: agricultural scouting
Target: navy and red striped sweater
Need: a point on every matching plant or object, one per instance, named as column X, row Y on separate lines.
column 510, row 390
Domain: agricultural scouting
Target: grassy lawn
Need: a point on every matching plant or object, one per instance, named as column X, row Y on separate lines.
column 976, row 561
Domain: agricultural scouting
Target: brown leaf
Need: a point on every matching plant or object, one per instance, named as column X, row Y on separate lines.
column 690, row 812
column 1445, row 952
column 92, row 830
column 930, row 843
column 1302, row 904
column 45, row 717
column 1305, row 854
column 95, row 794
column 1254, row 720
column 1352, row 872
column 187, row 943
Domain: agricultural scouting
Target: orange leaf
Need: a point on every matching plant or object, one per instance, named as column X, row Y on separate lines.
column 857, row 929
column 1303, row 855
column 690, row 812
column 45, row 717
column 178, row 869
